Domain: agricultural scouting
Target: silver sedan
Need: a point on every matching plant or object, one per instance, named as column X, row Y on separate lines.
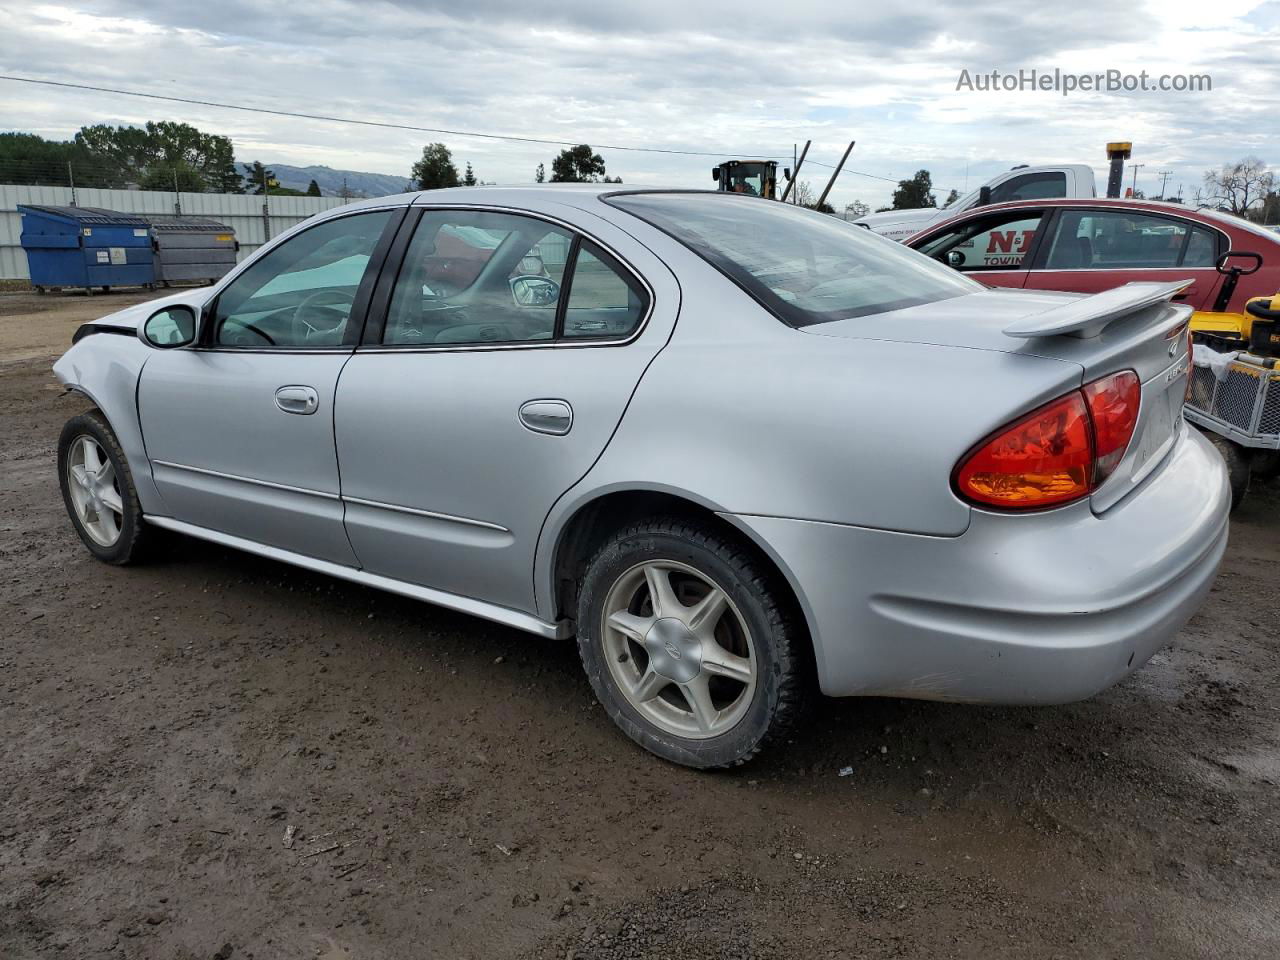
column 736, row 448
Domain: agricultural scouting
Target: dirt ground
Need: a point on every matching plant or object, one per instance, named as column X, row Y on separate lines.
column 453, row 790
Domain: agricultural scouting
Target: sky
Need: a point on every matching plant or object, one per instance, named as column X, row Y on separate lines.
column 725, row 79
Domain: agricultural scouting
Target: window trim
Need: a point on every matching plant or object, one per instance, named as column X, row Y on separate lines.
column 375, row 324
column 359, row 306
column 1060, row 212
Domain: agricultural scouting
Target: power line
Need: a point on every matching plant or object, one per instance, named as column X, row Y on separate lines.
column 831, row 166
column 371, row 123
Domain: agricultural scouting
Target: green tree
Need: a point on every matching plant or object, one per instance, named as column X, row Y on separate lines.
column 469, row 178
column 179, row 176
column 313, row 189
column 952, row 197
column 915, row 193
column 577, row 165
column 540, row 175
column 255, row 175
column 132, row 154
column 28, row 158
column 436, row 168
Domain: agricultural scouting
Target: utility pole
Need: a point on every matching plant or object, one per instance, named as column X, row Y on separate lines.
column 1135, row 167
column 266, row 213
column 832, row 182
column 1164, row 181
column 177, row 198
column 71, row 178
column 795, row 173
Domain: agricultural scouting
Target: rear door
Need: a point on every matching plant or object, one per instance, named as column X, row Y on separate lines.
column 1091, row 250
column 239, row 429
column 481, row 395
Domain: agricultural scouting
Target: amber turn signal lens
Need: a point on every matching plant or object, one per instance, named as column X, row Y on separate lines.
column 1044, row 459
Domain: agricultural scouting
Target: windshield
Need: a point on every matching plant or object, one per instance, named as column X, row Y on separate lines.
column 803, row 266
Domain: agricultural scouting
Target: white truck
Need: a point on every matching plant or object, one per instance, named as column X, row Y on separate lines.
column 1020, row 183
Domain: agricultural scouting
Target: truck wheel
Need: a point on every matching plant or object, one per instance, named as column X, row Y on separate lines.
column 1238, row 467
column 690, row 644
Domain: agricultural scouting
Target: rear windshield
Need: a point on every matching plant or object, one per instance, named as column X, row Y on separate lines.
column 805, row 267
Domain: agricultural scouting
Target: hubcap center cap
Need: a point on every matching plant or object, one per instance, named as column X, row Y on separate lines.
column 674, row 652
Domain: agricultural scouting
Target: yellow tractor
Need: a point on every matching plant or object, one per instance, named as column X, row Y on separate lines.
column 757, row 178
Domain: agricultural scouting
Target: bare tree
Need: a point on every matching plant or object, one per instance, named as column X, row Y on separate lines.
column 804, row 194
column 856, row 210
column 1238, row 186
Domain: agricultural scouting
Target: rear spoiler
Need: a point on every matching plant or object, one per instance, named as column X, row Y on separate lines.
column 1089, row 316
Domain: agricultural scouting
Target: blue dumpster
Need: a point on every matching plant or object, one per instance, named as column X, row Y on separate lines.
column 86, row 247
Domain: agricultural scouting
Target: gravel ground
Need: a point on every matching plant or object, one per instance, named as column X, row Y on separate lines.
column 450, row 789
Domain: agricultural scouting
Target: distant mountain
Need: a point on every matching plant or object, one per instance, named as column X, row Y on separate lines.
column 330, row 180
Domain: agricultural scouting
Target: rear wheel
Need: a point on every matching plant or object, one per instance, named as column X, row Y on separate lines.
column 98, row 490
column 1238, row 467
column 689, row 644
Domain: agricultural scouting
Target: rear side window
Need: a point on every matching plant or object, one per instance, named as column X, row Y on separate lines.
column 1031, row 186
column 803, row 266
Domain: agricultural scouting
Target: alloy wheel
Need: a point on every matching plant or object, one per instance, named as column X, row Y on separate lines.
column 95, row 491
column 679, row 649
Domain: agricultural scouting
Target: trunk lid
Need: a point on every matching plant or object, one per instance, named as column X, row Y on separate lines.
column 1130, row 328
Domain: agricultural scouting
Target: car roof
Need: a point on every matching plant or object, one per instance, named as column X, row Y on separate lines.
column 1205, row 215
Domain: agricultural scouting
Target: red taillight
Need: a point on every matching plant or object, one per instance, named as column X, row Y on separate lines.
column 1113, row 408
column 1058, row 453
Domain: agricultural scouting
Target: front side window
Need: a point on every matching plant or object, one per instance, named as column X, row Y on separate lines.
column 997, row 242
column 300, row 294
column 1123, row 240
column 803, row 266
column 481, row 277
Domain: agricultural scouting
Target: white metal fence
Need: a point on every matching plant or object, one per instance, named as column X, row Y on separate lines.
column 241, row 212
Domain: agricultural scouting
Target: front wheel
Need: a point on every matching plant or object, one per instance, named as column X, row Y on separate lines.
column 98, row 490
column 689, row 643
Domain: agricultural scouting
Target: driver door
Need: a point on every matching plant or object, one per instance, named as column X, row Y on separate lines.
column 239, row 428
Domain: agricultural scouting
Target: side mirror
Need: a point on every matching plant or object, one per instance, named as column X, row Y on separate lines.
column 715, row 174
column 984, row 197
column 786, row 173
column 955, row 259
column 169, row 327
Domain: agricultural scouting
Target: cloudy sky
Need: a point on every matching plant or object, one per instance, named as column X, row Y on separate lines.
column 724, row 78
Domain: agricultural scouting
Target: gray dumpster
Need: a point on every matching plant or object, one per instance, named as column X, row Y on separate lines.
column 191, row 249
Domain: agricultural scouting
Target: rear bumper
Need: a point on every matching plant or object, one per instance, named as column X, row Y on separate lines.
column 1043, row 608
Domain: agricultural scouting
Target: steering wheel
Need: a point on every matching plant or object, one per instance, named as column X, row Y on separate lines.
column 531, row 290
column 304, row 329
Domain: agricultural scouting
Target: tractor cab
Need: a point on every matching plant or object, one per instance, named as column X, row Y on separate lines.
column 757, row 178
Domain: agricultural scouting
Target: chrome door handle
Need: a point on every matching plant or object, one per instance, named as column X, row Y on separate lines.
column 554, row 417
column 297, row 399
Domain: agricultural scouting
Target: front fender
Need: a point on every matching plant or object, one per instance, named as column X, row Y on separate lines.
column 105, row 368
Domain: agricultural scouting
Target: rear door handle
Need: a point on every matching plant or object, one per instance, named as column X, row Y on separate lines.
column 554, row 417
column 297, row 399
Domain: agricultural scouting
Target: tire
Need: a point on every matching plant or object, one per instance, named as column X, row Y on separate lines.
column 756, row 634
column 1238, row 467
column 130, row 541
column 1266, row 464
